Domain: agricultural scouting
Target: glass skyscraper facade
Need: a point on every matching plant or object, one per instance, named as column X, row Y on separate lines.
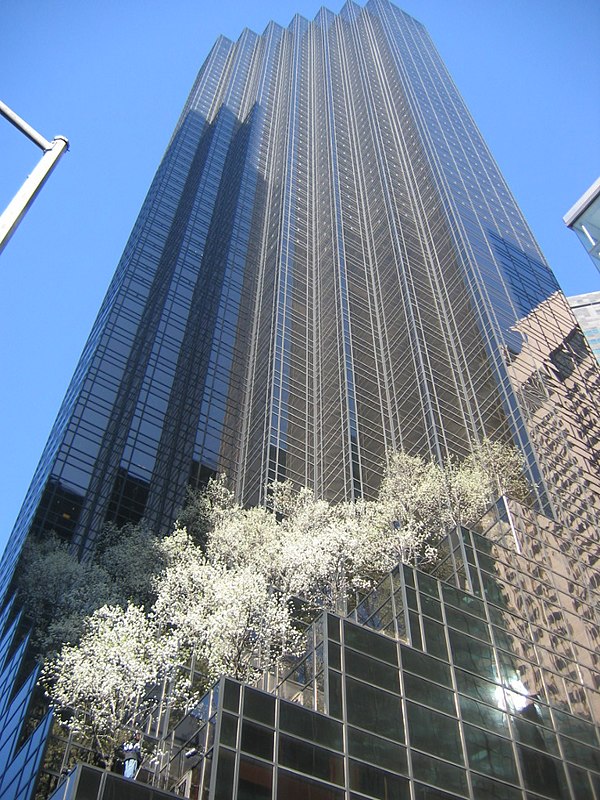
column 483, row 684
column 328, row 265
column 586, row 308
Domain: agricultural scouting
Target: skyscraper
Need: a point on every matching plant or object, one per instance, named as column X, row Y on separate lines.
column 328, row 265
column 586, row 308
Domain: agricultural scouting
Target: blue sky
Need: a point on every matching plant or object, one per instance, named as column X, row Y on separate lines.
column 113, row 76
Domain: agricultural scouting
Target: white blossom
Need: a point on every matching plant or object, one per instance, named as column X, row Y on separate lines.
column 105, row 677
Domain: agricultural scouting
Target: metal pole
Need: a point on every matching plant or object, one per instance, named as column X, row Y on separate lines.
column 24, row 127
column 21, row 202
column 23, row 199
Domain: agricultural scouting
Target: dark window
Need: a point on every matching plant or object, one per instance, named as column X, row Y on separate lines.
column 231, row 696
column 257, row 740
column 435, row 733
column 225, row 770
column 229, row 730
column 374, row 709
column 491, row 754
column 493, row 790
column 472, row 654
column 381, row 752
column 435, row 638
column 373, row 644
column 255, row 780
column 333, row 627
column 259, row 706
column 485, row 716
column 542, row 774
column 428, row 793
column 314, row 727
column 295, row 787
column 426, row 666
column 311, row 760
column 431, row 694
column 378, row 783
column 372, row 671
column 335, row 694
column 335, row 655
column 431, row 770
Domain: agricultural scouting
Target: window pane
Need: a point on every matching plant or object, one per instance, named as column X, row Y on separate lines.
column 333, row 627
column 435, row 733
column 492, row 790
column 428, row 793
column 335, row 655
column 259, row 706
column 225, row 770
column 373, row 644
column 491, row 754
column 381, row 752
column 295, row 787
column 485, row 716
column 472, row 654
column 426, row 666
column 229, row 730
column 311, row 760
column 374, row 709
column 431, row 770
column 257, row 740
column 372, row 671
column 429, row 693
column 542, row 774
column 378, row 783
column 314, row 727
column 335, row 694
column 231, row 696
column 435, row 638
column 255, row 780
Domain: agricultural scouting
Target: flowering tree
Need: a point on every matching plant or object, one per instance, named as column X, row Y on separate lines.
column 329, row 550
column 424, row 500
column 204, row 507
column 70, row 590
column 102, row 681
column 230, row 617
column 246, row 537
column 130, row 557
column 411, row 493
column 504, row 469
column 224, row 593
column 464, row 492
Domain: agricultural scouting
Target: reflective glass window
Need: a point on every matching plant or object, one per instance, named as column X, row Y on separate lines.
column 296, row 787
column 374, row 709
column 382, row 752
column 435, row 733
column 229, row 729
column 372, row 644
column 426, row 666
column 225, row 770
column 257, row 740
column 311, row 726
column 428, row 693
column 259, row 706
column 377, row 783
column 255, row 780
column 373, row 671
column 491, row 754
column 311, row 760
column 439, row 773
